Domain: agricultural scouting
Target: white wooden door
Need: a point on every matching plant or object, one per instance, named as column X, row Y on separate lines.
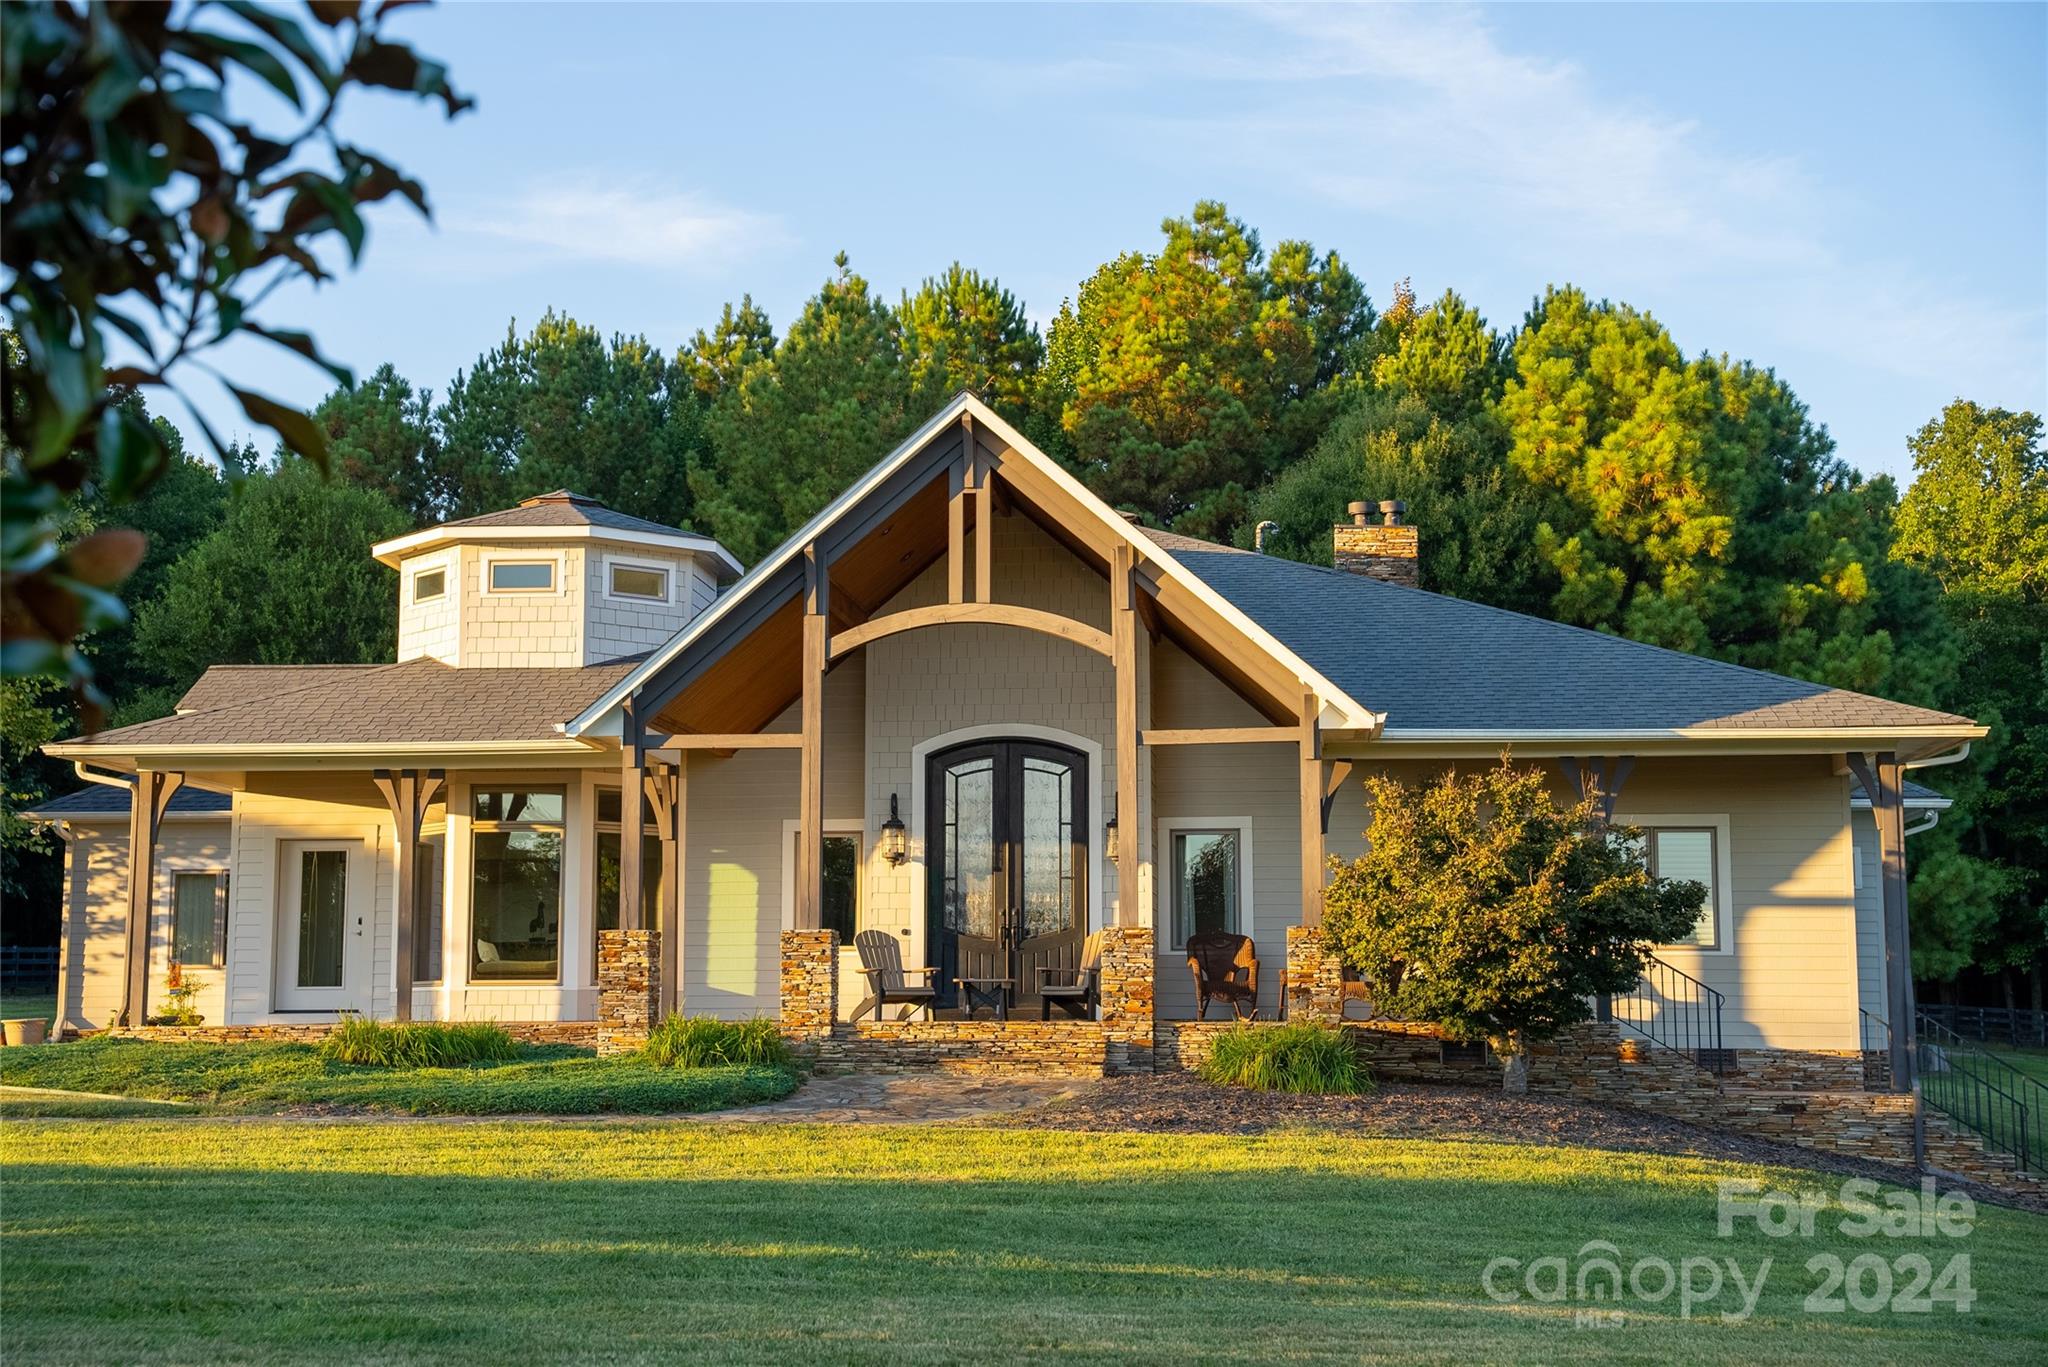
column 323, row 926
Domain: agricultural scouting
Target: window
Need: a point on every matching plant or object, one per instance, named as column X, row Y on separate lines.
column 428, row 904
column 1688, row 854
column 522, row 576
column 1207, row 882
column 609, row 813
column 199, row 919
column 638, row 581
column 840, row 908
column 516, row 897
column 428, row 585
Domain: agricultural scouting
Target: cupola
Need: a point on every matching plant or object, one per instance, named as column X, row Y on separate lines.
column 560, row 580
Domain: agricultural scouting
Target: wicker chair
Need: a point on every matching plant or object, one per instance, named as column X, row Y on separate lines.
column 1081, row 994
column 1226, row 968
column 889, row 982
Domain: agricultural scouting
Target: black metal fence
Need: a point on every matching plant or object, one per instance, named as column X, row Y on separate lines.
column 2015, row 1026
column 1983, row 1093
column 1674, row 1009
column 28, row 966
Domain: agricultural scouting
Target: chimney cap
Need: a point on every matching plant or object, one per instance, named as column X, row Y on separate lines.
column 1391, row 509
column 1358, row 508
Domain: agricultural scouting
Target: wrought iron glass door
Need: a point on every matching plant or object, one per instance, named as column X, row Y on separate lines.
column 1007, row 857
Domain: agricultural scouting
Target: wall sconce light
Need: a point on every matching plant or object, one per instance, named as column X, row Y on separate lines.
column 894, row 844
column 1109, row 848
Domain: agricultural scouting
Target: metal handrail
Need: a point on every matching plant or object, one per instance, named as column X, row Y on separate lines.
column 1983, row 1093
column 1671, row 1008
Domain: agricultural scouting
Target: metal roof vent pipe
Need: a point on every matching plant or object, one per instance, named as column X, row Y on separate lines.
column 1390, row 551
column 1261, row 532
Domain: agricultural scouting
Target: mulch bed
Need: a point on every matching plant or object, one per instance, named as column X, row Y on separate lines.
column 1181, row 1103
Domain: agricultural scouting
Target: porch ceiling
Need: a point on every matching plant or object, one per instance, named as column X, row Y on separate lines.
column 760, row 676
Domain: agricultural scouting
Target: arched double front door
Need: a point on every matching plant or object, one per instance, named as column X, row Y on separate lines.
column 1007, row 855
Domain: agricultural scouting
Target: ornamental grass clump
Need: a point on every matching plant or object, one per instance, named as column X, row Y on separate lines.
column 1300, row 1057
column 423, row 1044
column 705, row 1042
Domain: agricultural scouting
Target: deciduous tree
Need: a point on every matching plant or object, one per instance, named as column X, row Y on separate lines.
column 1976, row 517
column 286, row 580
column 131, row 184
column 1485, row 907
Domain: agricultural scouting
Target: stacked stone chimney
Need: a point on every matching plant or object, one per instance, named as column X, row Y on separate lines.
column 1388, row 550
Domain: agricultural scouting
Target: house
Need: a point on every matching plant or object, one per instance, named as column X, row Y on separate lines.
column 968, row 707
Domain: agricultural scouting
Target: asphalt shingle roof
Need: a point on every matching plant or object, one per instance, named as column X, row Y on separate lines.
column 1435, row 663
column 100, row 799
column 420, row 702
column 225, row 685
column 564, row 509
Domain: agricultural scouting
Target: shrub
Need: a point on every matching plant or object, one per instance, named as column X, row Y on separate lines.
column 1300, row 1057
column 704, row 1042
column 424, row 1044
column 1483, row 906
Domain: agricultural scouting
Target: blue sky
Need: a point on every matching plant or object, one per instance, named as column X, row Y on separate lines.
column 1856, row 196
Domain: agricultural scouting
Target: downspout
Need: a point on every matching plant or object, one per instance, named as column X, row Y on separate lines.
column 1955, row 756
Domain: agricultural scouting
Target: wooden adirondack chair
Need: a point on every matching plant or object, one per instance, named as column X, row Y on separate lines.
column 889, row 982
column 1081, row 991
column 1226, row 968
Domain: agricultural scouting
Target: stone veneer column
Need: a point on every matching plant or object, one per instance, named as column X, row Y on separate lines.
column 628, row 988
column 810, row 983
column 1126, row 989
column 1315, row 979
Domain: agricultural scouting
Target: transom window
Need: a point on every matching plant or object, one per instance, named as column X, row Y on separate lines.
column 199, row 921
column 428, row 585
column 638, row 581
column 516, row 885
column 1207, row 882
column 1688, row 854
column 522, row 576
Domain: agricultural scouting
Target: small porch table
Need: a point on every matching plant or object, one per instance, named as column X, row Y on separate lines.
column 992, row 992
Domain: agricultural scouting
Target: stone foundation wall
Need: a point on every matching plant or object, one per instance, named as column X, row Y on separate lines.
column 628, row 988
column 973, row 1048
column 1127, row 1001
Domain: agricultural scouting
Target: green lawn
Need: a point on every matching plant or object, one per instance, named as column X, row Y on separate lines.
column 2032, row 1062
column 269, row 1077
column 19, row 1005
column 260, row 1241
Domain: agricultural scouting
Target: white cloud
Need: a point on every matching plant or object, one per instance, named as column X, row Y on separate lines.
column 613, row 222
column 1422, row 114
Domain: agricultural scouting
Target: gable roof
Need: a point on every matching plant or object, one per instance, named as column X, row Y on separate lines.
column 1349, row 712
column 420, row 703
column 1442, row 667
column 558, row 514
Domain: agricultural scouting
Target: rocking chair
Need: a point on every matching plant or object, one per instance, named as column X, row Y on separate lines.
column 1226, row 968
column 881, row 963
